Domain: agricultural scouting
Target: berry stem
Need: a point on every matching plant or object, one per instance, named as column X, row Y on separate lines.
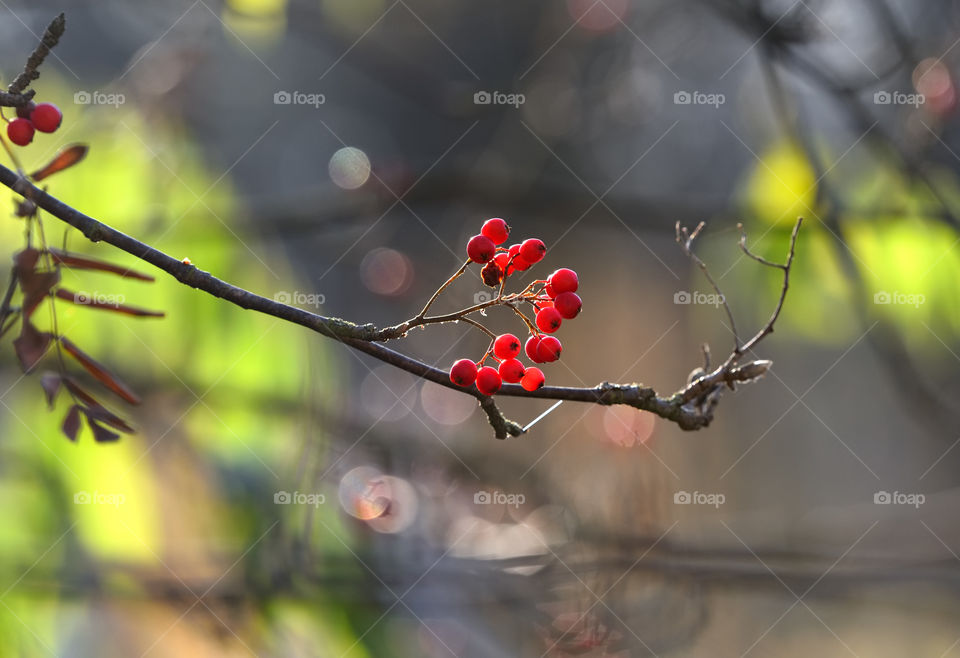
column 456, row 275
column 530, row 325
column 503, row 281
column 478, row 326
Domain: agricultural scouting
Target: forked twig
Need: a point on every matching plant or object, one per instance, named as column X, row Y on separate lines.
column 707, row 387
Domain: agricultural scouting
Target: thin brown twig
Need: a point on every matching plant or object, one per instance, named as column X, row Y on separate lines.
column 478, row 326
column 707, row 387
column 5, row 308
column 685, row 238
column 423, row 313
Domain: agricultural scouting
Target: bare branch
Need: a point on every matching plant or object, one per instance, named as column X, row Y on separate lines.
column 785, row 267
column 50, row 38
column 365, row 337
column 685, row 238
column 707, row 387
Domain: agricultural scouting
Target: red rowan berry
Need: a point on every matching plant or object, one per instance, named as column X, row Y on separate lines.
column 463, row 372
column 532, row 379
column 488, row 380
column 506, row 346
column 563, row 280
column 496, row 229
column 549, row 349
column 20, row 131
column 548, row 320
column 533, row 250
column 531, row 348
column 511, row 370
column 24, row 111
column 46, row 117
column 551, row 293
column 520, row 263
column 568, row 304
column 481, row 249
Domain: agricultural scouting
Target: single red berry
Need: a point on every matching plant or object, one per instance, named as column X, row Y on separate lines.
column 544, row 303
column 496, row 229
column 520, row 263
column 491, row 274
column 506, row 346
column 533, row 250
column 563, row 280
column 531, row 349
column 488, row 380
column 463, row 372
column 20, row 131
column 511, row 370
column 46, row 117
column 568, row 304
column 24, row 110
column 551, row 293
column 481, row 249
column 532, row 379
column 548, row 320
column 549, row 349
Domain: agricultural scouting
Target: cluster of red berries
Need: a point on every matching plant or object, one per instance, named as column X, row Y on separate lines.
column 45, row 117
column 554, row 299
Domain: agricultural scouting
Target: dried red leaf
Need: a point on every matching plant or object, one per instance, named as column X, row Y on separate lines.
column 78, row 262
column 31, row 345
column 51, row 386
column 100, row 433
column 99, row 372
column 35, row 285
column 26, row 260
column 71, row 423
column 66, row 157
column 94, row 408
column 82, row 299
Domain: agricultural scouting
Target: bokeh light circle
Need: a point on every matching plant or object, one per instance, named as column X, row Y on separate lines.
column 364, row 493
column 402, row 507
column 388, row 394
column 597, row 16
column 386, row 272
column 626, row 426
column 445, row 406
column 349, row 168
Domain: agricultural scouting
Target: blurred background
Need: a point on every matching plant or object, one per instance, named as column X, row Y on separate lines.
column 285, row 496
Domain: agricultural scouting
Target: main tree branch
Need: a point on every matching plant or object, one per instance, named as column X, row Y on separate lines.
column 683, row 407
